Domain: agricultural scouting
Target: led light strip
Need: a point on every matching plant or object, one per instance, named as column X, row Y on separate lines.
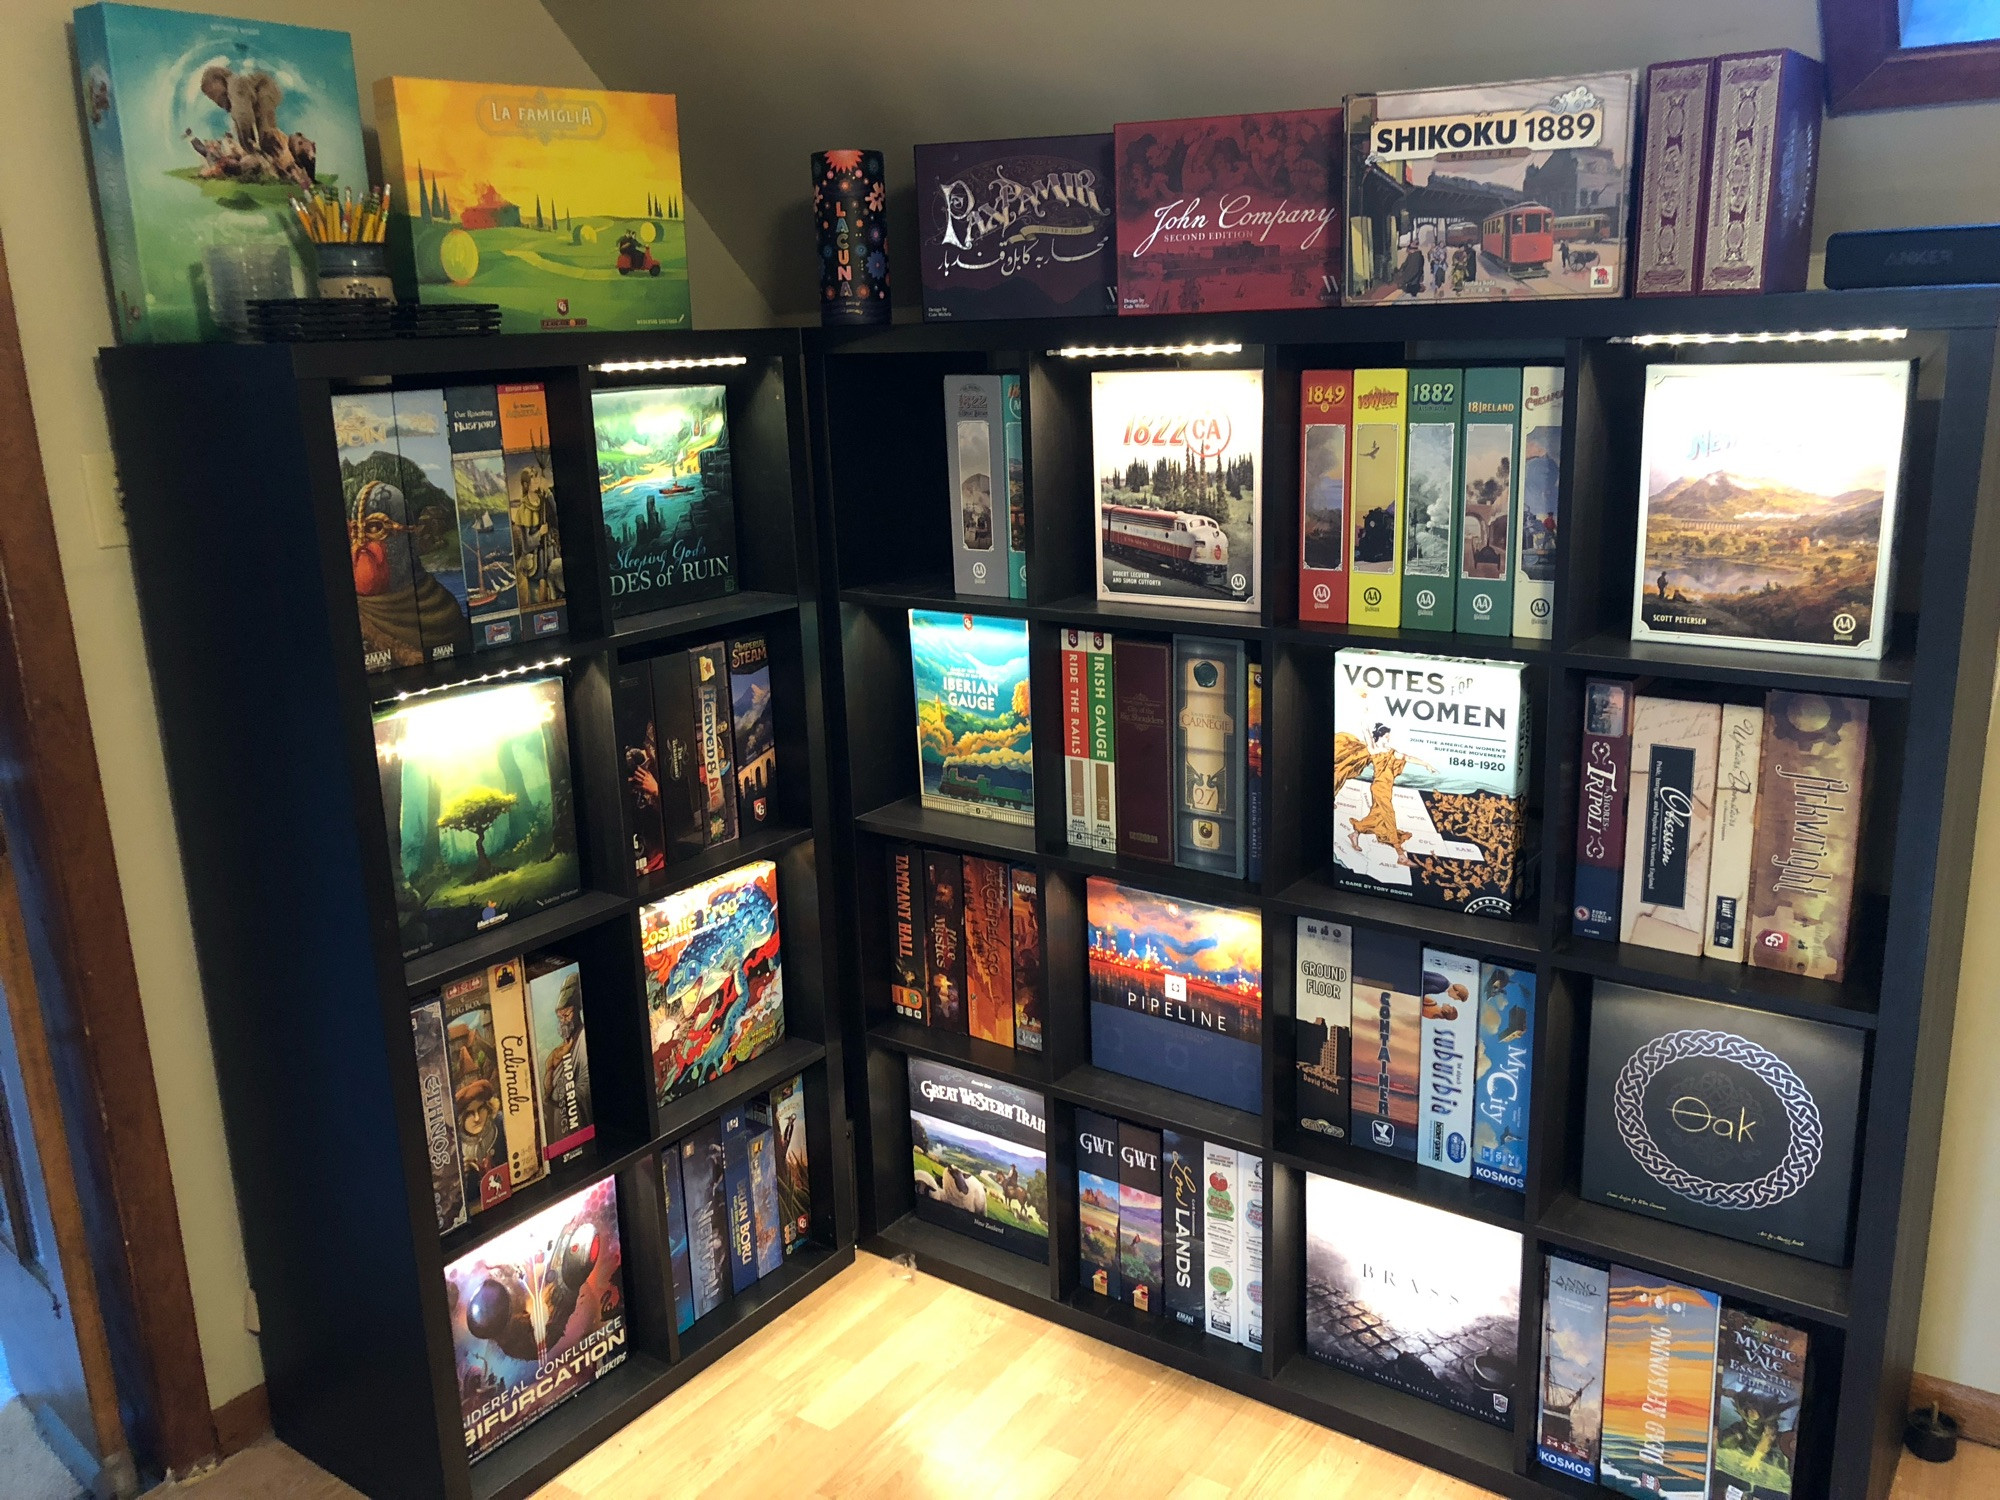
column 1124, row 351
column 1796, row 336
column 445, row 687
column 632, row 366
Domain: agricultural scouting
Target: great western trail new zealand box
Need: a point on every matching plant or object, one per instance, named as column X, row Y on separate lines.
column 561, row 205
column 200, row 130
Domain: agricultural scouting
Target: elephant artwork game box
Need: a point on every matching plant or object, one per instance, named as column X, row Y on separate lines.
column 563, row 206
column 200, row 130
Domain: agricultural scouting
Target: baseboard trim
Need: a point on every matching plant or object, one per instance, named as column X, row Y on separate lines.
column 241, row 1420
column 1977, row 1411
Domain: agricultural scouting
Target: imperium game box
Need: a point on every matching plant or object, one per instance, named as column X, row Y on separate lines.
column 1490, row 192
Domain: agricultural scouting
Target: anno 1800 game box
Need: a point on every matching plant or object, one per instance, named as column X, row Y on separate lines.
column 1490, row 192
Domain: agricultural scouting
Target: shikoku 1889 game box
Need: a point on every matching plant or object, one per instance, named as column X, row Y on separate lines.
column 1491, row 191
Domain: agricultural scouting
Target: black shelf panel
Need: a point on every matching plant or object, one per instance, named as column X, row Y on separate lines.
column 804, row 1270
column 703, row 618
column 536, row 1454
column 1393, row 1419
column 1160, row 1337
column 608, row 1152
column 1087, row 611
column 1427, row 642
column 456, row 671
column 1846, row 1003
column 1160, row 1108
column 909, row 820
column 677, row 1117
column 1517, row 939
column 1786, row 1283
column 937, row 594
column 1401, row 1178
column 1888, row 678
column 767, row 842
column 517, row 935
column 1010, row 1278
column 990, row 1058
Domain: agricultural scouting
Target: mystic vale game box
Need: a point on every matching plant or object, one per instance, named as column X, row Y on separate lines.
column 1490, row 192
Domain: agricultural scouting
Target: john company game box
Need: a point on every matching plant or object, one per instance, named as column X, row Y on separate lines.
column 980, row 1157
column 200, row 130
column 537, row 1314
column 561, row 205
column 1017, row 229
column 1730, row 1120
column 1490, row 192
column 1430, row 779
column 1230, row 214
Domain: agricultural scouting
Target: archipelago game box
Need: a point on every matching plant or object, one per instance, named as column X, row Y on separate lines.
column 1430, row 779
column 1767, row 505
column 979, row 1154
column 201, row 129
column 1734, row 1121
column 1490, row 191
column 1232, row 213
column 1177, row 993
column 481, row 818
column 563, row 206
column 715, row 982
column 974, row 728
column 664, row 475
column 1179, row 458
column 537, row 1314
column 1017, row 229
column 1419, row 1299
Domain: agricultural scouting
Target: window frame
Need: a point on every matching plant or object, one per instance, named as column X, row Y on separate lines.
column 1867, row 67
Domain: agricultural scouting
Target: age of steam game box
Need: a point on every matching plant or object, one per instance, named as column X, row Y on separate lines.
column 1490, row 192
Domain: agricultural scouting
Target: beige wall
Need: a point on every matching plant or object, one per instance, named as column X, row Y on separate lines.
column 45, row 218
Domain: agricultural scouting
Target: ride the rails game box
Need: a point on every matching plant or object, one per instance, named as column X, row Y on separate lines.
column 1490, row 192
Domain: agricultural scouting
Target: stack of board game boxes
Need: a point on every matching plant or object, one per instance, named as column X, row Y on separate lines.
column 989, row 495
column 965, row 945
column 1172, row 1225
column 738, row 1199
column 697, row 750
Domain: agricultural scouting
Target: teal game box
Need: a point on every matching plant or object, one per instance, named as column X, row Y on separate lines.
column 200, row 130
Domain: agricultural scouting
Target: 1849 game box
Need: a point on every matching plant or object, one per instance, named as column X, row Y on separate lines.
column 1490, row 192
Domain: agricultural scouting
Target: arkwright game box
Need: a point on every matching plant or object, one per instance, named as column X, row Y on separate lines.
column 1490, row 192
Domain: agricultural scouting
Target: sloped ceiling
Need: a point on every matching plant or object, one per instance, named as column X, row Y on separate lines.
column 764, row 83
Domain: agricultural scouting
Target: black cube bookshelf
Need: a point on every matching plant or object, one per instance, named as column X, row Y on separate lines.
column 881, row 475
column 232, row 488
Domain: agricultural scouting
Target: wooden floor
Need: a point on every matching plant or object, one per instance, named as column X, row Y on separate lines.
column 881, row 1386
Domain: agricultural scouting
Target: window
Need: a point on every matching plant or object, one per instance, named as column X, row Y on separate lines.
column 1894, row 54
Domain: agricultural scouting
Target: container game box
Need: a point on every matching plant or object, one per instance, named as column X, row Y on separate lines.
column 1490, row 192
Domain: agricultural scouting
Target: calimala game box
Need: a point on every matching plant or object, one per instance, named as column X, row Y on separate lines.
column 1017, row 229
column 201, row 129
column 1490, row 192
column 1234, row 213
column 561, row 205
column 537, row 1314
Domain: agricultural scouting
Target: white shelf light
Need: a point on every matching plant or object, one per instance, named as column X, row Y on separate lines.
column 1128, row 351
column 1795, row 336
column 549, row 664
column 637, row 366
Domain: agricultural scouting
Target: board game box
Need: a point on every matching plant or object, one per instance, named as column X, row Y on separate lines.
column 1571, row 1416
column 1229, row 214
column 1178, row 456
column 1322, row 1000
column 1659, row 1386
column 665, row 481
column 715, row 983
column 1760, row 1377
column 1097, row 1236
column 1803, row 859
column 563, row 206
column 537, row 1314
column 481, row 818
column 979, row 1148
column 200, row 131
column 1490, row 192
column 1017, row 229
column 974, row 726
column 1767, row 505
column 1504, row 1078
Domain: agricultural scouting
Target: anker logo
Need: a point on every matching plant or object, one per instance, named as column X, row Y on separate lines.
column 1918, row 258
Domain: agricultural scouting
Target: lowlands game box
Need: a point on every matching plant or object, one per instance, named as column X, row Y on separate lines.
column 979, row 1151
column 1017, row 229
column 974, row 727
column 715, row 983
column 666, row 482
column 200, row 130
column 1734, row 1121
column 1767, row 505
column 1430, row 779
column 1229, row 214
column 561, row 205
column 537, row 1314
column 1490, row 192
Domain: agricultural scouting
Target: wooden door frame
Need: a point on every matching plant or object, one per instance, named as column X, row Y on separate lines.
column 73, row 914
